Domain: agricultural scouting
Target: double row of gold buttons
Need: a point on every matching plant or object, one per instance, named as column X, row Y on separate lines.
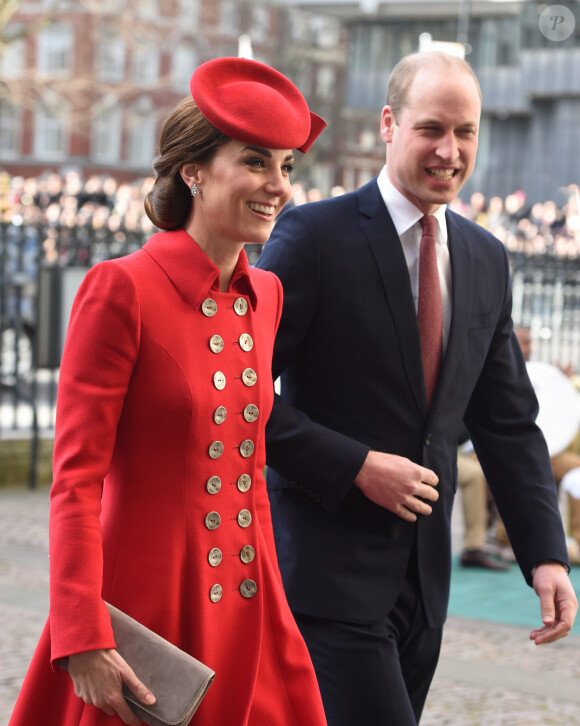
column 248, row 588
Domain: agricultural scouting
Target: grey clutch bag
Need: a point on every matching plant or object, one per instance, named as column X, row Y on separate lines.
column 178, row 681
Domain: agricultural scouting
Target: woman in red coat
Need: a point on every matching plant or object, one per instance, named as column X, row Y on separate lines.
column 158, row 504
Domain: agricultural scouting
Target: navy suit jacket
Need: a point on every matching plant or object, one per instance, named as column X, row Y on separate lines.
column 348, row 354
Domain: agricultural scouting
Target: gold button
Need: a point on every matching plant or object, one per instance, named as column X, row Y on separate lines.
column 216, row 343
column 251, row 413
column 216, row 449
column 246, row 342
column 219, row 380
column 219, row 415
column 215, row 594
column 247, row 448
column 213, row 520
column 209, row 307
column 247, row 554
column 249, row 377
column 244, row 482
column 248, row 588
column 214, row 557
column 214, row 484
column 244, row 518
column 241, row 306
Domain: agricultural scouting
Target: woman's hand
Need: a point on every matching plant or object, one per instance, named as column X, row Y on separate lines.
column 98, row 677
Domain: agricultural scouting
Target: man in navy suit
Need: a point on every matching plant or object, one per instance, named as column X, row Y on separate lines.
column 362, row 470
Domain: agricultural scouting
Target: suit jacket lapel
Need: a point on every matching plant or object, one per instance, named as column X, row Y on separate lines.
column 378, row 228
column 461, row 282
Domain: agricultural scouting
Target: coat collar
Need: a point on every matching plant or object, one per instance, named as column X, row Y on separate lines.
column 192, row 272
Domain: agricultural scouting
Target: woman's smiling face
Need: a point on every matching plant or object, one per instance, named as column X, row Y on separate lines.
column 242, row 190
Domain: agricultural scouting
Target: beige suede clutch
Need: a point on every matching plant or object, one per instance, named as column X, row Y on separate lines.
column 178, row 681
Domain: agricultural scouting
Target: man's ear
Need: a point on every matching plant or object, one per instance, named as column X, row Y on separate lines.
column 388, row 124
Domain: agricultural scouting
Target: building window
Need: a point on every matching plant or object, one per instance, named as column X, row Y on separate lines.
column 10, row 126
column 106, row 134
column 110, row 56
column 326, row 31
column 145, row 62
column 184, row 62
column 229, row 16
column 190, row 9
column 260, row 23
column 325, row 82
column 147, row 8
column 141, row 133
column 50, row 128
column 55, row 49
column 12, row 58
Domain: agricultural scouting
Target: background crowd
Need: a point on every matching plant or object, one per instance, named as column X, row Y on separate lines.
column 67, row 201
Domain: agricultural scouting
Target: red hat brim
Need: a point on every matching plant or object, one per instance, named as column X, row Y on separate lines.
column 254, row 103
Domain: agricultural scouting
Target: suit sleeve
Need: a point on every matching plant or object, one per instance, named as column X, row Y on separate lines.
column 98, row 360
column 512, row 451
column 307, row 455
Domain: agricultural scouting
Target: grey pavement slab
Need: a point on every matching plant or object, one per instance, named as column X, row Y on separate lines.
column 488, row 675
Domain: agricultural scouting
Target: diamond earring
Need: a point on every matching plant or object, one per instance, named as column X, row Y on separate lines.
column 194, row 190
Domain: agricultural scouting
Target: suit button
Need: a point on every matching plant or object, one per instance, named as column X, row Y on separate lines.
column 216, row 343
column 247, row 448
column 212, row 520
column 215, row 594
column 247, row 554
column 216, row 449
column 209, row 307
column 246, row 342
column 249, row 377
column 219, row 380
column 428, row 440
column 244, row 518
column 214, row 484
column 241, row 306
column 214, row 557
column 244, row 482
column 248, row 588
column 251, row 413
column 219, row 415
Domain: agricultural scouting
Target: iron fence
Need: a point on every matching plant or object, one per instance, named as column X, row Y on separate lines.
column 41, row 267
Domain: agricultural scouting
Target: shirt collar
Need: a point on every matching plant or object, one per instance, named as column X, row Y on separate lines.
column 192, row 272
column 403, row 212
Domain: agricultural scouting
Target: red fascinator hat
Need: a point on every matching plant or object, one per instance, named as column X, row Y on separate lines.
column 252, row 102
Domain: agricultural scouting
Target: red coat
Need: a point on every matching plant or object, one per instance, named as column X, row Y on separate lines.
column 164, row 392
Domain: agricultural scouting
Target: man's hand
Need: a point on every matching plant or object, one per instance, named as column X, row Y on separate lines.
column 397, row 484
column 557, row 601
column 98, row 676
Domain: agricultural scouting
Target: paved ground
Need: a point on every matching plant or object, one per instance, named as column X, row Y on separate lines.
column 489, row 674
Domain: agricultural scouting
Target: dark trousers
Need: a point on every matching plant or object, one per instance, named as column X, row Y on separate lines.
column 375, row 674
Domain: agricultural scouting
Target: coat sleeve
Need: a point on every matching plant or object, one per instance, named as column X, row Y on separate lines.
column 511, row 448
column 323, row 462
column 98, row 359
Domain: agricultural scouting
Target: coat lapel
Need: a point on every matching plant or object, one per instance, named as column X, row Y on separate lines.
column 378, row 228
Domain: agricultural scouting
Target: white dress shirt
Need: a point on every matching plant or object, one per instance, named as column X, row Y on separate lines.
column 406, row 218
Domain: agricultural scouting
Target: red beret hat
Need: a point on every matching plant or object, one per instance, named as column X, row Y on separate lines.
column 252, row 102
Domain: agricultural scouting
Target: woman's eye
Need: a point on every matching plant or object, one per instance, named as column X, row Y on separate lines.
column 255, row 162
column 288, row 168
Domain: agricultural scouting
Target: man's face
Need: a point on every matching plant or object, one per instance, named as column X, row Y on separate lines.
column 431, row 148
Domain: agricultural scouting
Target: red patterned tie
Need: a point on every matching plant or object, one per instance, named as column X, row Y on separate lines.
column 430, row 308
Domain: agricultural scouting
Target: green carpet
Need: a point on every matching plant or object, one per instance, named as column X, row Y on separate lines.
column 501, row 597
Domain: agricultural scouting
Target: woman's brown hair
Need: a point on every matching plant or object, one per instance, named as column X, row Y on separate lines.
column 187, row 136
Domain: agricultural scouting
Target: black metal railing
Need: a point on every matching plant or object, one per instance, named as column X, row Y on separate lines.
column 41, row 267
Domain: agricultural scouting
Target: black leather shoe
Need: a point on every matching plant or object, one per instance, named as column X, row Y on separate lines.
column 478, row 558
